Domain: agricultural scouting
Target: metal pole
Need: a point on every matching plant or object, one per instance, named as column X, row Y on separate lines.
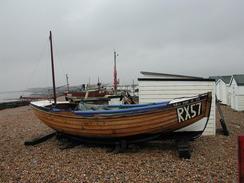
column 115, row 74
column 67, row 80
column 53, row 75
column 133, row 87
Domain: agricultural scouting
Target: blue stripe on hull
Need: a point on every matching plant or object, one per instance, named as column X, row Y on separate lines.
column 135, row 108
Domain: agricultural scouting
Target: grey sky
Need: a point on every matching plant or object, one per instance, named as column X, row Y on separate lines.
column 201, row 38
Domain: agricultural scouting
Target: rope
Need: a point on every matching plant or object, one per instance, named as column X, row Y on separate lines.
column 35, row 66
column 60, row 61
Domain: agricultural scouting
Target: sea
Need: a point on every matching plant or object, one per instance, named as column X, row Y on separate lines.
column 9, row 96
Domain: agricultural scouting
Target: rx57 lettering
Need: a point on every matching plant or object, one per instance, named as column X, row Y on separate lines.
column 190, row 111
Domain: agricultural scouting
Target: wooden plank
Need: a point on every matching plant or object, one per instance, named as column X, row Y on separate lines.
column 177, row 87
column 173, row 83
column 39, row 140
column 102, row 126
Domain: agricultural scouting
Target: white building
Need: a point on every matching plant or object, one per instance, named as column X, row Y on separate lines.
column 236, row 92
column 222, row 89
column 155, row 87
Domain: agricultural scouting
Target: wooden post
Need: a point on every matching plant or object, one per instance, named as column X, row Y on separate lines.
column 53, row 74
column 222, row 119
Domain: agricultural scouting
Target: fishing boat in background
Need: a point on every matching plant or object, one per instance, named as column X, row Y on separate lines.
column 86, row 93
column 102, row 94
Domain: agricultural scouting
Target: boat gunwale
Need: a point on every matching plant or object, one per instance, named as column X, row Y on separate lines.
column 72, row 114
column 76, row 116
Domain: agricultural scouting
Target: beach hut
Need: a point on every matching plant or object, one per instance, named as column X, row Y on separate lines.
column 222, row 89
column 155, row 87
column 236, row 92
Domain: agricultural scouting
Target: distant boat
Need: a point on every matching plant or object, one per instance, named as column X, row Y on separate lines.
column 98, row 96
column 91, row 93
column 32, row 98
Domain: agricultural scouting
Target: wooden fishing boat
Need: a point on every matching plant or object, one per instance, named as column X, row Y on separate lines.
column 119, row 121
column 133, row 121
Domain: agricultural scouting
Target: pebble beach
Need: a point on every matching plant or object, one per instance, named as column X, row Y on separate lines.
column 214, row 158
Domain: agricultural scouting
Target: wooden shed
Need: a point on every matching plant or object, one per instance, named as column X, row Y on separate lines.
column 236, row 92
column 222, row 89
column 155, row 87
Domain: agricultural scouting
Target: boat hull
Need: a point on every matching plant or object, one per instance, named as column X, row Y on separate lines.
column 158, row 121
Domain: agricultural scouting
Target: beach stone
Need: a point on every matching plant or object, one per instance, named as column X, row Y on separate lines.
column 214, row 158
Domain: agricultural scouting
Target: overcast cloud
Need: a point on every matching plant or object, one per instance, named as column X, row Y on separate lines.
column 200, row 38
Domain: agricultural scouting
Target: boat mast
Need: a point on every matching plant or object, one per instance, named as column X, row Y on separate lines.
column 53, row 75
column 67, row 80
column 115, row 74
column 98, row 83
column 133, row 87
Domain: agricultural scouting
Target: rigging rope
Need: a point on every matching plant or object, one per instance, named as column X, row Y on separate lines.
column 60, row 61
column 39, row 58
